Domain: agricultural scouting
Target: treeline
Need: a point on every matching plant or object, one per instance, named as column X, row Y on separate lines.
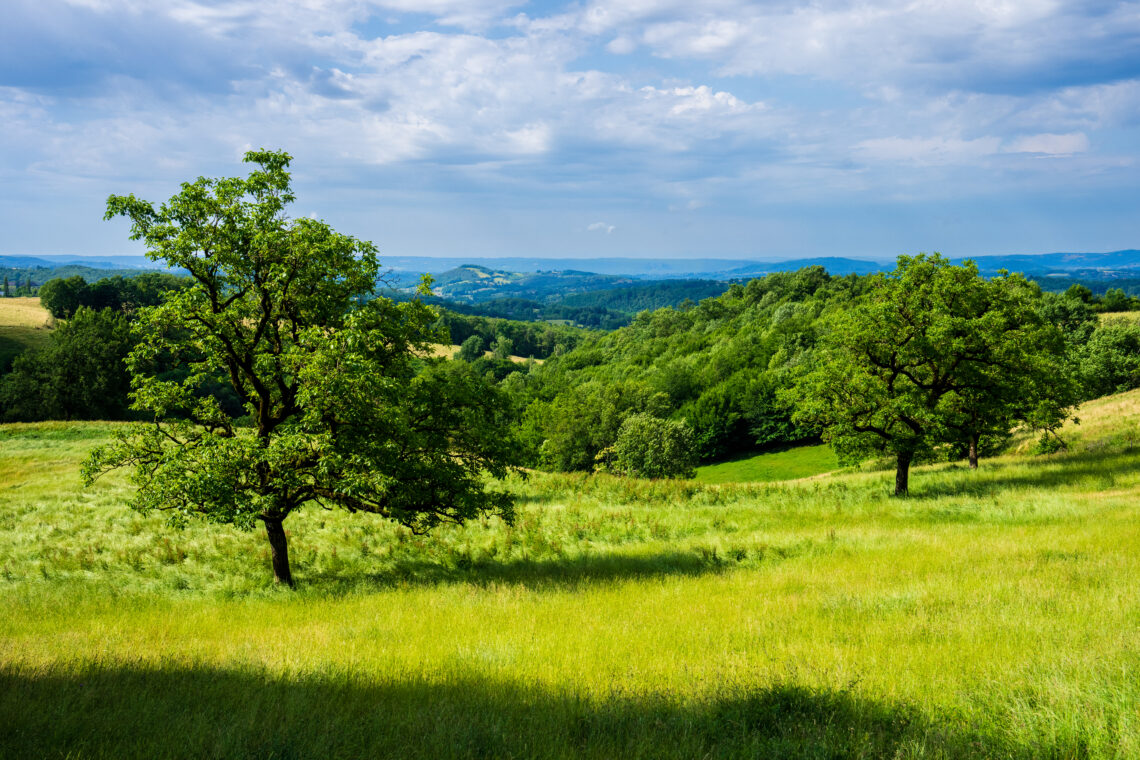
column 1109, row 300
column 63, row 297
column 80, row 373
column 538, row 340
column 650, row 296
column 526, row 310
column 26, row 280
column 715, row 365
column 702, row 381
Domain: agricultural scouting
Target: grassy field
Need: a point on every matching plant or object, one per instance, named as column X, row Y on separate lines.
column 1120, row 316
column 448, row 352
column 790, row 464
column 992, row 614
column 23, row 324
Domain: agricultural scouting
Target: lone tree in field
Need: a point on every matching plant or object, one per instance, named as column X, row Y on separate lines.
column 346, row 412
column 933, row 353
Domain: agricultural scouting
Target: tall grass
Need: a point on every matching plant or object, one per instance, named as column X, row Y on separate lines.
column 993, row 614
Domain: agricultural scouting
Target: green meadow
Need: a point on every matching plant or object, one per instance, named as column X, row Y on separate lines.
column 991, row 614
column 789, row 464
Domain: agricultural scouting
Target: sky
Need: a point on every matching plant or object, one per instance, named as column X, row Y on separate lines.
column 644, row 128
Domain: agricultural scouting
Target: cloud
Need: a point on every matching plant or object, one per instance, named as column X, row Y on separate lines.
column 930, row 150
column 592, row 104
column 601, row 227
column 1050, row 144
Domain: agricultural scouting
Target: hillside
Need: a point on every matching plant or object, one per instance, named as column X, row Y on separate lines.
column 473, row 284
column 989, row 615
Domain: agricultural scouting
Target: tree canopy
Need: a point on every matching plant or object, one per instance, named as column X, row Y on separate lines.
column 933, row 353
column 345, row 409
column 78, row 375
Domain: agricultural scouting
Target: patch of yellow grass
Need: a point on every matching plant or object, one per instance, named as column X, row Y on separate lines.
column 1116, row 417
column 24, row 324
column 1120, row 316
column 24, row 312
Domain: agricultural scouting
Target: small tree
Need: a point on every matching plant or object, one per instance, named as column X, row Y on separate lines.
column 502, row 348
column 63, row 297
column 471, row 349
column 650, row 447
column 345, row 412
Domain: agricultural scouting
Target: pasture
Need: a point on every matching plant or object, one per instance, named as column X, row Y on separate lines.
column 789, row 464
column 991, row 614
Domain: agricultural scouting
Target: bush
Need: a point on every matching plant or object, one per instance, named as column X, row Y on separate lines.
column 650, row 447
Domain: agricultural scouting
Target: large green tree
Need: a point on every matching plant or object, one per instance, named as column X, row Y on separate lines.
column 931, row 353
column 1026, row 373
column 346, row 413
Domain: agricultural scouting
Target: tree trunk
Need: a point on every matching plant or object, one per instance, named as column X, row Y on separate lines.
column 973, row 455
column 902, row 473
column 280, row 546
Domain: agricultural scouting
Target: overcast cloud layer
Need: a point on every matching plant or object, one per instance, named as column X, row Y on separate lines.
column 601, row 128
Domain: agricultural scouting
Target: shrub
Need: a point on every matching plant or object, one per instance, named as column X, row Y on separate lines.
column 650, row 447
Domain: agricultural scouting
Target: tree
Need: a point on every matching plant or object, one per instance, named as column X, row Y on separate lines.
column 63, row 297
column 1110, row 360
column 650, row 447
column 915, row 356
column 7, row 288
column 502, row 347
column 78, row 375
column 1027, row 375
column 579, row 425
column 471, row 349
column 345, row 411
column 1079, row 292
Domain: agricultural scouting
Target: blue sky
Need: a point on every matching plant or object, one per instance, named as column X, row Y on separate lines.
column 654, row 128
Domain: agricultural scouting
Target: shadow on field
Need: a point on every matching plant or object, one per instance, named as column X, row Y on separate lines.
column 205, row 713
column 544, row 573
column 1056, row 471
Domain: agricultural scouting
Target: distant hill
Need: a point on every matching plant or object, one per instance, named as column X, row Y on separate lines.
column 833, row 264
column 56, row 260
column 1080, row 264
column 474, row 284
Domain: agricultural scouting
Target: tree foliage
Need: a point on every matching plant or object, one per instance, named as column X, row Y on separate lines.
column 932, row 353
column 650, row 447
column 345, row 412
column 78, row 375
column 716, row 365
column 62, row 297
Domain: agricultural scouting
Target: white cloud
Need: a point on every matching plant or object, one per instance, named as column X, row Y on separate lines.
column 601, row 227
column 621, row 45
column 1051, row 144
column 730, row 101
column 928, row 150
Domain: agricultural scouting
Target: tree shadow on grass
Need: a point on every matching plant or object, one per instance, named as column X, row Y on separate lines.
column 569, row 572
column 129, row 712
column 1052, row 472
